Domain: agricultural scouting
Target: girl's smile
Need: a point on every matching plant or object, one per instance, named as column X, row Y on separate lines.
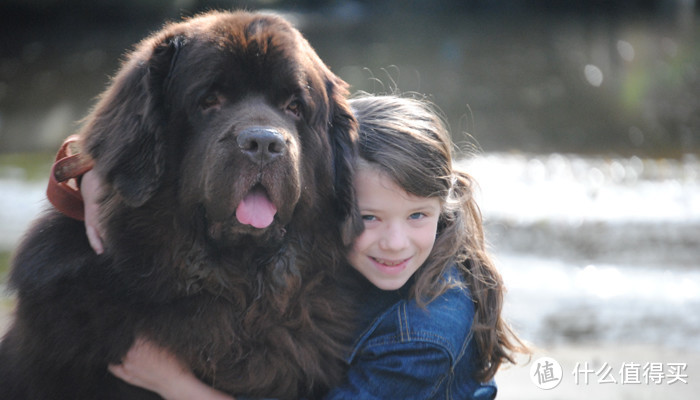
column 390, row 267
column 399, row 229
column 388, row 263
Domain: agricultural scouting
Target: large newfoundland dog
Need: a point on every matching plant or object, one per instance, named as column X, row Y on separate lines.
column 226, row 147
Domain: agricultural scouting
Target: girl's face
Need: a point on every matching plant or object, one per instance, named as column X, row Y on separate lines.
column 399, row 230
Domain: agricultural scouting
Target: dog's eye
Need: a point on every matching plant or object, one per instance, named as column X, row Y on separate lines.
column 209, row 101
column 295, row 108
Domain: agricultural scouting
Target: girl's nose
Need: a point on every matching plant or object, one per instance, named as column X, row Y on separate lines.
column 394, row 238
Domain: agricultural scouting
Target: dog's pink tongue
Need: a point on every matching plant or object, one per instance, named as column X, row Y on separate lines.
column 256, row 209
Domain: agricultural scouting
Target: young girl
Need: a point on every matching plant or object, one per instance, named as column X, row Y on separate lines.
column 432, row 298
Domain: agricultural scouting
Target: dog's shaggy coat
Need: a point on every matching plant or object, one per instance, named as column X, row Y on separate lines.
column 226, row 147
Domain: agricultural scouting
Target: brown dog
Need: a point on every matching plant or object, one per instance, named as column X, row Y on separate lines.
column 226, row 146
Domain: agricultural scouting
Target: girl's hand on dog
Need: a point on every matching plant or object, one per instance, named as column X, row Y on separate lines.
column 151, row 367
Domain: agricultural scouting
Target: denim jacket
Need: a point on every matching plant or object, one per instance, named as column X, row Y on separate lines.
column 409, row 352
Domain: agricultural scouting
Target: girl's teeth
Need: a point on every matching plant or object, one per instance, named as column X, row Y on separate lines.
column 388, row 263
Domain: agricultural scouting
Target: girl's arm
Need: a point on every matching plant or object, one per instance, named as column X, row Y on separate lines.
column 153, row 368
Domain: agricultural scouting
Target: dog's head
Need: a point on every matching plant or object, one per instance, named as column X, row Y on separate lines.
column 236, row 115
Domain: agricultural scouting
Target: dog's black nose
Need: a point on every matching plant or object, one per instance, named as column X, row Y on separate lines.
column 262, row 145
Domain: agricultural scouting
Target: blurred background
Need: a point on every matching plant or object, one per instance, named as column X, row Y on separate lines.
column 580, row 120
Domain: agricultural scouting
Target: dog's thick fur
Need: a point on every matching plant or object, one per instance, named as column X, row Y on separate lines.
column 254, row 311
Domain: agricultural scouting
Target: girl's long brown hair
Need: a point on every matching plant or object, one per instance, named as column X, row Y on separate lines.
column 408, row 140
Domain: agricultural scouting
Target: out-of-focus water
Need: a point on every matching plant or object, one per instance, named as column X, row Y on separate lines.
column 20, row 202
column 577, row 189
column 596, row 249
column 592, row 249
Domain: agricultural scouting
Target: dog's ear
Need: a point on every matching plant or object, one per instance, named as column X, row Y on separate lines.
column 125, row 133
column 344, row 143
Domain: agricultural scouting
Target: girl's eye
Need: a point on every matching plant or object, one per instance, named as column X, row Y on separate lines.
column 294, row 108
column 209, row 101
column 369, row 218
column 416, row 215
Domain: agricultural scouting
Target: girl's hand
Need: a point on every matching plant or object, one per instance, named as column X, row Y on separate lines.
column 91, row 190
column 153, row 368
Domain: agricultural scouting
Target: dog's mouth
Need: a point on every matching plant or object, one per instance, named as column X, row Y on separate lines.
column 256, row 209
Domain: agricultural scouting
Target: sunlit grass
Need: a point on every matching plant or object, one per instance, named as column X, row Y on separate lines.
column 4, row 270
column 4, row 265
column 6, row 301
column 6, row 304
column 26, row 166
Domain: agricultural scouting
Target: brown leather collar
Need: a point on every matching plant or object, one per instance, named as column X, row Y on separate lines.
column 63, row 190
